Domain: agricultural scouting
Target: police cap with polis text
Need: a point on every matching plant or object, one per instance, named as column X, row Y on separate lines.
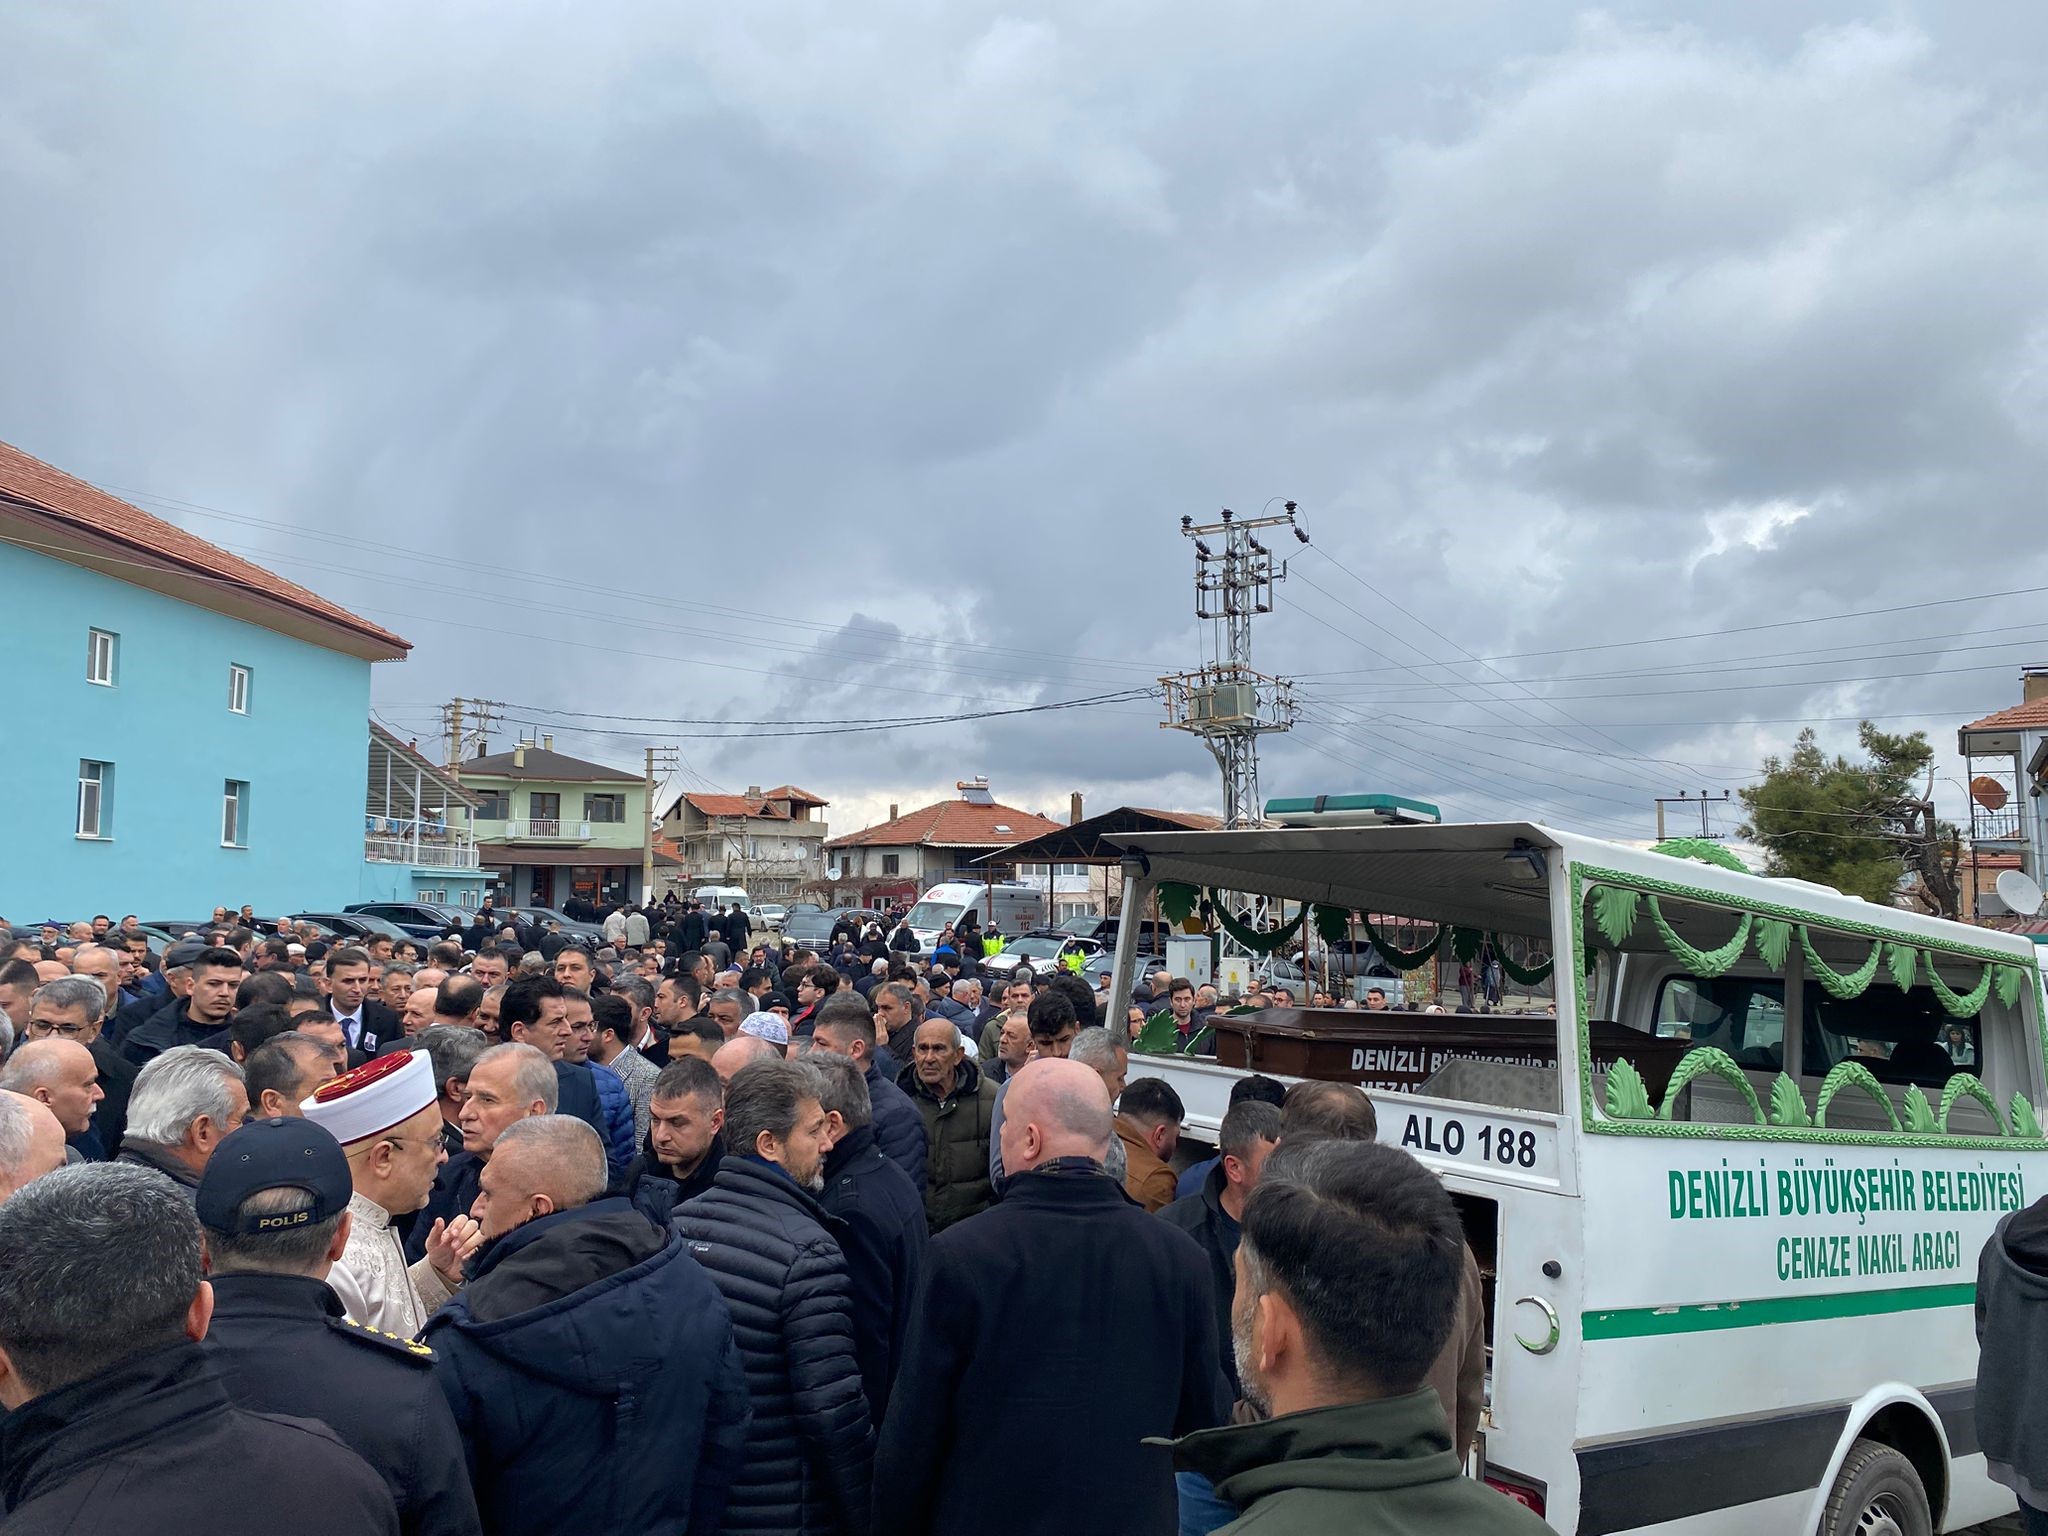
column 281, row 1153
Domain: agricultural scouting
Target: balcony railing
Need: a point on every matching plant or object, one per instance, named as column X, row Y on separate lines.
column 399, row 850
column 547, row 829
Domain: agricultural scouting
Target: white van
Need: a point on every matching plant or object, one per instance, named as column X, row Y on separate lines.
column 1728, row 1203
column 723, row 896
column 1011, row 907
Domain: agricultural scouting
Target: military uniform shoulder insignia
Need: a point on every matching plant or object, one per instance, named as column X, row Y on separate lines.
column 412, row 1349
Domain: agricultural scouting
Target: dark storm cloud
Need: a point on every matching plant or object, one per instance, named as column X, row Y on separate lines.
column 798, row 364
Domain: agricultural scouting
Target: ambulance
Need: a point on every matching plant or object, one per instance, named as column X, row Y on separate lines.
column 1728, row 1202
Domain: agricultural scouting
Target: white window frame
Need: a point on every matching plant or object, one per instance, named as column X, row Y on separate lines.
column 234, row 814
column 239, row 678
column 96, row 675
column 92, row 777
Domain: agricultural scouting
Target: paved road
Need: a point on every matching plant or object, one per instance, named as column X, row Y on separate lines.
column 2009, row 1526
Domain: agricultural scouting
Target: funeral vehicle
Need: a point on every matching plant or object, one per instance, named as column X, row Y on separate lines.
column 1728, row 1202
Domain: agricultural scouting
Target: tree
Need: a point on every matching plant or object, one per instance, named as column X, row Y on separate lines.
column 1862, row 827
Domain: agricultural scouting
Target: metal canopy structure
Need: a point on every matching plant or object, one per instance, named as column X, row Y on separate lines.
column 1087, row 842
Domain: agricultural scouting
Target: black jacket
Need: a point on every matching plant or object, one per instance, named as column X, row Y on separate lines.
column 884, row 1245
column 688, row 933
column 172, row 1024
column 380, row 1027
column 903, row 942
column 775, row 1254
column 655, row 1192
column 153, row 1444
column 454, row 1192
column 592, row 1371
column 1215, row 1231
column 134, row 1013
column 117, row 1081
column 1122, row 1342
column 899, row 1128
column 282, row 1345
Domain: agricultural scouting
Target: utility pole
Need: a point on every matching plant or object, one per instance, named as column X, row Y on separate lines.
column 451, row 729
column 666, row 759
column 1705, row 802
column 1225, row 702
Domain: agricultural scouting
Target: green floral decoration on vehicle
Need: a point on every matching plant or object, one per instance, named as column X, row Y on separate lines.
column 1614, row 911
column 1627, row 1097
column 1710, row 1058
column 2024, row 1124
column 1840, row 984
column 1959, row 1086
column 1702, row 849
column 1920, row 1114
column 1788, row 1105
column 1851, row 1074
column 1702, row 962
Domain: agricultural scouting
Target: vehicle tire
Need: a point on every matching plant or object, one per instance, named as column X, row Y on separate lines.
column 1877, row 1493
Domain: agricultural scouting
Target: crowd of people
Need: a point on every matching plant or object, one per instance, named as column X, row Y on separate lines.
column 675, row 1231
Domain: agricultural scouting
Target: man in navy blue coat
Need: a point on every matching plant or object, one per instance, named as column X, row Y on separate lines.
column 589, row 1361
column 845, row 1027
column 1063, row 1305
column 884, row 1240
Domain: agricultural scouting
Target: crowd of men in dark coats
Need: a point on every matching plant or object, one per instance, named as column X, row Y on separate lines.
column 848, row 1265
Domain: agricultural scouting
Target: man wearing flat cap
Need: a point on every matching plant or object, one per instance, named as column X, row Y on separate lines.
column 385, row 1117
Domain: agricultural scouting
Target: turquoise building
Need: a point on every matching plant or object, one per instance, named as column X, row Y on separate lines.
column 184, row 728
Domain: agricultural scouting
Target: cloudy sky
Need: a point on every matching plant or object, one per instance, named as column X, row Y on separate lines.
column 812, row 363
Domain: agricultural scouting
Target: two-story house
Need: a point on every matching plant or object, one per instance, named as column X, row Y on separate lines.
column 417, row 839
column 549, row 826
column 771, row 843
column 904, row 856
column 2005, row 756
column 185, row 728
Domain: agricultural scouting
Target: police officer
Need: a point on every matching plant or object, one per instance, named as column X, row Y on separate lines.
column 275, row 1206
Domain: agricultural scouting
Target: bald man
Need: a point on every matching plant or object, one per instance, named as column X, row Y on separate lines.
column 741, row 1051
column 61, row 1076
column 618, row 1299
column 1132, row 1324
column 31, row 1142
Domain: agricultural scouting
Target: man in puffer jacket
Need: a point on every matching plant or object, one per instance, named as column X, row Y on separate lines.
column 771, row 1248
column 589, row 1361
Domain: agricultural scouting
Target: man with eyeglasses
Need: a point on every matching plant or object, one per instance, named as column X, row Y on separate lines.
column 73, row 1008
column 385, row 1116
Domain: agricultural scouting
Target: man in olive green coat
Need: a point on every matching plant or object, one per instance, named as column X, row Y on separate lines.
column 958, row 1104
column 1357, row 1443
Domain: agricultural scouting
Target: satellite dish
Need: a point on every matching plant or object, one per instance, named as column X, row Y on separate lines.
column 2019, row 893
column 832, row 874
column 1989, row 793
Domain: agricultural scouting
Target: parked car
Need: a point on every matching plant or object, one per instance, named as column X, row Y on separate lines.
column 417, row 918
column 771, row 915
column 1103, row 930
column 349, row 925
column 813, row 928
column 1041, row 951
column 1346, row 957
column 545, row 915
column 1097, row 965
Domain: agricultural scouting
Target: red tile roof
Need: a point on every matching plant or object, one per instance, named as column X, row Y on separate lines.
column 2033, row 712
column 45, row 489
column 791, row 792
column 735, row 805
column 951, row 824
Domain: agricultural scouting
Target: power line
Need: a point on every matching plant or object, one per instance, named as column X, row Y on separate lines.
column 555, row 581
column 1743, row 629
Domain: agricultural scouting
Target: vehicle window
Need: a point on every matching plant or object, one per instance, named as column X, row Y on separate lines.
column 1744, row 1016
column 1903, row 1037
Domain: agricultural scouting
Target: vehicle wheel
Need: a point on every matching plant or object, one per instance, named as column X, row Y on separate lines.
column 1877, row 1493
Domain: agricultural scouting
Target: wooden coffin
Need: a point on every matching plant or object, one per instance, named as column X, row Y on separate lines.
column 1397, row 1052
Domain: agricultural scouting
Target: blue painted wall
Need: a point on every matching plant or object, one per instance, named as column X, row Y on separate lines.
column 167, row 729
column 405, row 882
